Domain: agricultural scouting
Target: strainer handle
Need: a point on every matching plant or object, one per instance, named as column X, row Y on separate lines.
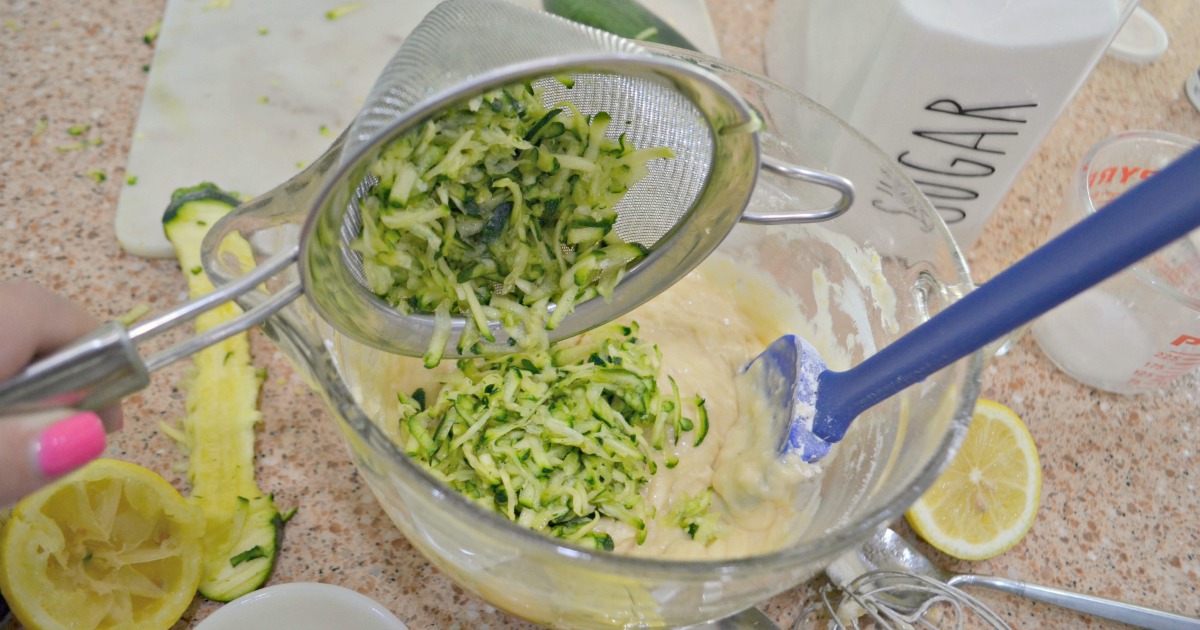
column 838, row 183
column 104, row 366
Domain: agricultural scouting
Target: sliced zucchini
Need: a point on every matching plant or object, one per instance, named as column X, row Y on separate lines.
column 244, row 526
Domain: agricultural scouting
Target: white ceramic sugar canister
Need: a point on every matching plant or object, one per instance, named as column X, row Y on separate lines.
column 960, row 93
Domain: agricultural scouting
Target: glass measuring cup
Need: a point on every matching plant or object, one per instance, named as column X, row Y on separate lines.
column 1139, row 331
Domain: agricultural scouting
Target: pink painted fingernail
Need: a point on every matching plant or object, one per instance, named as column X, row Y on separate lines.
column 71, row 443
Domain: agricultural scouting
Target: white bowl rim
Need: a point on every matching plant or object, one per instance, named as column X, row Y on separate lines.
column 265, row 603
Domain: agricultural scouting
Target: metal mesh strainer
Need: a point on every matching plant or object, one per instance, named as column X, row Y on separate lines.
column 465, row 46
column 681, row 211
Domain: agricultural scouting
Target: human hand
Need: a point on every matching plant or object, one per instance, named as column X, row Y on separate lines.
column 37, row 447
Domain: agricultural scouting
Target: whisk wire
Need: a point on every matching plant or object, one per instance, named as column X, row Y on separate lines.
column 877, row 597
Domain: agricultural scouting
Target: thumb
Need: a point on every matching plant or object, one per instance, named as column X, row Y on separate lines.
column 37, row 448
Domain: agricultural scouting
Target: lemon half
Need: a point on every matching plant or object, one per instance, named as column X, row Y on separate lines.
column 112, row 545
column 986, row 501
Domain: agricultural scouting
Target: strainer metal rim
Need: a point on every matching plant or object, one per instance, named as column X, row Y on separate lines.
column 588, row 314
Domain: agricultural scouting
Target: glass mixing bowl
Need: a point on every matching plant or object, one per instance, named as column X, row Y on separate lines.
column 890, row 262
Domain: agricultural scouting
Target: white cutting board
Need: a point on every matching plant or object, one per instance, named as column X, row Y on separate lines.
column 240, row 90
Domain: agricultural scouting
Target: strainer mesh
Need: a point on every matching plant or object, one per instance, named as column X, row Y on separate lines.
column 461, row 40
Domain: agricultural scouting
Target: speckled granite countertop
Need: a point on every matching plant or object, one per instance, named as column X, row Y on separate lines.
column 1120, row 513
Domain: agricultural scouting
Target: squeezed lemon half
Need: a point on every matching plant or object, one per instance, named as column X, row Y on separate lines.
column 112, row 545
column 985, row 501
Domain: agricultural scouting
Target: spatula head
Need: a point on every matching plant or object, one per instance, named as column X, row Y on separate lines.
column 782, row 382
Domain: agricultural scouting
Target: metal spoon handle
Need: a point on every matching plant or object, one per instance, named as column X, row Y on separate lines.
column 1131, row 614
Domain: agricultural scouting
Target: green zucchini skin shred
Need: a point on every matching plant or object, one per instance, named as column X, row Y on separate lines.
column 205, row 191
column 558, row 439
column 499, row 209
column 244, row 526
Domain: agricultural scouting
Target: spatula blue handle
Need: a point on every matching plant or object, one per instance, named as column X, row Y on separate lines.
column 1148, row 217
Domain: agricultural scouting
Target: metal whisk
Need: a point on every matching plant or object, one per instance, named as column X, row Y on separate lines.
column 878, row 597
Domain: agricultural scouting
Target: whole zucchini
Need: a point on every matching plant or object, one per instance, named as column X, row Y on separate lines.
column 626, row 18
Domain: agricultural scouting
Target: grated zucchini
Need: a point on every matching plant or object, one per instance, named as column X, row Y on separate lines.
column 695, row 516
column 555, row 439
column 244, row 526
column 499, row 209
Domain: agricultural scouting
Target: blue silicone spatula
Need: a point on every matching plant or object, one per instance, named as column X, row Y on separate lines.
column 817, row 404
